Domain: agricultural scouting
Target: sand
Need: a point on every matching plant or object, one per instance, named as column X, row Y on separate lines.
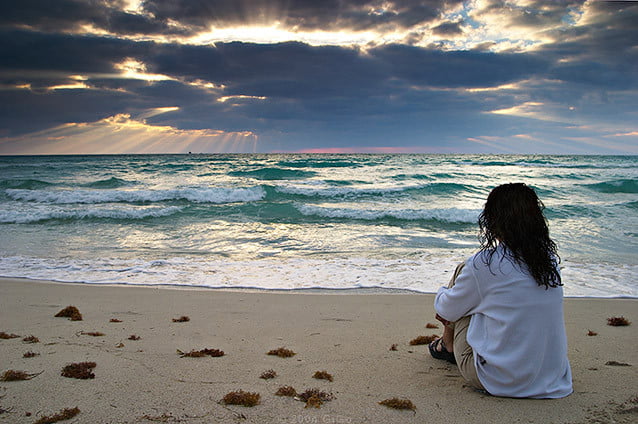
column 347, row 335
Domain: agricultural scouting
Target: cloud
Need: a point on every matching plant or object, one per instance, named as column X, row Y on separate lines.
column 122, row 133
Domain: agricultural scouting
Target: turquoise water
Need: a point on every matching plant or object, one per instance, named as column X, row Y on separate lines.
column 303, row 221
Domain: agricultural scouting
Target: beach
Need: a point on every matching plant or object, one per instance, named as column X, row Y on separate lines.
column 348, row 334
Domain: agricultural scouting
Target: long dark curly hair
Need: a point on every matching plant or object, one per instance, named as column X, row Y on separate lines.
column 513, row 215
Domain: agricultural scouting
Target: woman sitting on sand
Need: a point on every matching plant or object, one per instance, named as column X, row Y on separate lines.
column 503, row 309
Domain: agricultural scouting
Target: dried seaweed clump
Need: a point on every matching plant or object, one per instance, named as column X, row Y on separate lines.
column 92, row 333
column 393, row 347
column 31, row 339
column 65, row 414
column 115, row 320
column 320, row 394
column 5, row 336
column 134, row 337
column 282, row 352
column 242, row 398
column 592, row 333
column 70, row 312
column 267, row 375
column 322, row 375
column 81, row 370
column 30, row 354
column 617, row 364
column 215, row 353
column 286, row 391
column 13, row 375
column 183, row 318
column 314, row 402
column 430, row 325
column 397, row 403
column 618, row 321
column 421, row 340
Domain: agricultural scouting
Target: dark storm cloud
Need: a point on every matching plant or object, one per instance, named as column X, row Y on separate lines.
column 70, row 15
column 303, row 14
column 37, row 51
column 448, row 28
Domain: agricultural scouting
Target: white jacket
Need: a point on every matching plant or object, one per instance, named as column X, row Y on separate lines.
column 517, row 330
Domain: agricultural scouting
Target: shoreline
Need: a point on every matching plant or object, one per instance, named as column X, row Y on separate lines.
column 348, row 336
column 310, row 290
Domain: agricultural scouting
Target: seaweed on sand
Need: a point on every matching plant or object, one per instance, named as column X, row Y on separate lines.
column 267, row 375
column 6, row 336
column 65, row 414
column 30, row 354
column 183, row 318
column 215, row 353
column 618, row 321
column 70, row 312
column 591, row 333
column 13, row 375
column 324, row 396
column 393, row 347
column 286, row 391
column 282, row 352
column 397, row 403
column 31, row 339
column 115, row 320
column 92, row 333
column 134, row 337
column 322, row 375
column 242, row 398
column 421, row 340
column 314, row 402
column 81, row 370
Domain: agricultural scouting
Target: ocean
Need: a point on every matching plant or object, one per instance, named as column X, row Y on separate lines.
column 292, row 221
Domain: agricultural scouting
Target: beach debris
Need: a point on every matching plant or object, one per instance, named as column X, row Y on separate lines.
column 314, row 402
column 215, row 353
column 421, row 340
column 396, row 403
column 617, row 364
column 393, row 347
column 70, row 312
column 31, row 339
column 65, row 414
column 591, row 333
column 6, row 336
column 115, row 320
column 119, row 345
column 13, row 375
column 134, row 337
column 314, row 397
column 30, row 354
column 618, row 321
column 322, row 375
column 183, row 318
column 268, row 374
column 80, row 370
column 430, row 325
column 242, row 398
column 282, row 352
column 286, row 391
column 92, row 333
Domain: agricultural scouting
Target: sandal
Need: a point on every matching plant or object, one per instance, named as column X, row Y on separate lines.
column 441, row 354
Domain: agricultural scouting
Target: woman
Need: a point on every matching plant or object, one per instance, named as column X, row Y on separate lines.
column 503, row 309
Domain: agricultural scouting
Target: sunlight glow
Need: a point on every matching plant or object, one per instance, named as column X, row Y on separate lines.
column 134, row 69
column 239, row 97
column 123, row 134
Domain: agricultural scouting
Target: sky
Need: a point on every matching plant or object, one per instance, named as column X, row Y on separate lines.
column 329, row 76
